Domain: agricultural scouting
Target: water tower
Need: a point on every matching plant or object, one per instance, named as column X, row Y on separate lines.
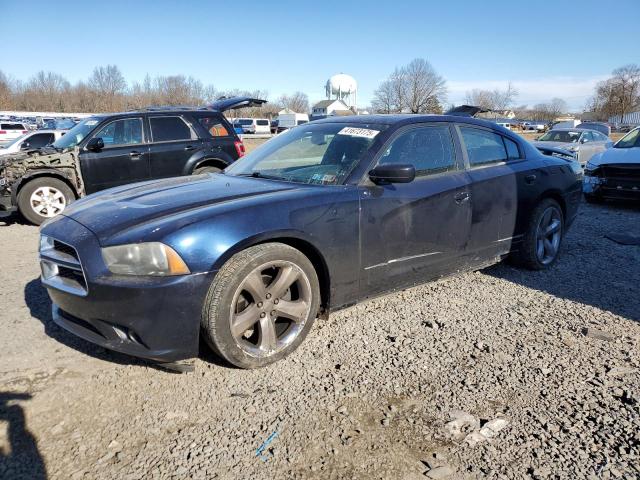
column 343, row 87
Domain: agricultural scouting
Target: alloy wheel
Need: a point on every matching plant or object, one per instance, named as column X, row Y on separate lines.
column 270, row 308
column 47, row 201
column 548, row 235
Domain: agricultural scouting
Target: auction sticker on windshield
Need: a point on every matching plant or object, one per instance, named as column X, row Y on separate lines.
column 359, row 132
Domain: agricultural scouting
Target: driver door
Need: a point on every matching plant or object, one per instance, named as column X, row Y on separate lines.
column 124, row 158
column 413, row 232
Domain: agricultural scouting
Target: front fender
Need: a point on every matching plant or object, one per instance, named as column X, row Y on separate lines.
column 65, row 174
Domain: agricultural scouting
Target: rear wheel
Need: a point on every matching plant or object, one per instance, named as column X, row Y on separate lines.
column 43, row 198
column 543, row 236
column 261, row 305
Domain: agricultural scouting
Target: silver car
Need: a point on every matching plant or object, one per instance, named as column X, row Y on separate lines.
column 583, row 142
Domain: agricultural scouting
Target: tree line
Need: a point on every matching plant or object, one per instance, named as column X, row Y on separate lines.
column 106, row 90
column 617, row 95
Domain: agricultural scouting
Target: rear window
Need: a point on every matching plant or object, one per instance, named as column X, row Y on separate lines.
column 12, row 126
column 245, row 121
column 213, row 126
column 262, row 122
column 168, row 129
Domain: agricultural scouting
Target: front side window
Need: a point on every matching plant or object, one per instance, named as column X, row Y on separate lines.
column 483, row 147
column 630, row 140
column 213, row 126
column 169, row 129
column 428, row 149
column 322, row 154
column 127, row 131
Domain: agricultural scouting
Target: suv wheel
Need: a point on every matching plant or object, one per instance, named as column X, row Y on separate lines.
column 542, row 237
column 44, row 198
column 206, row 169
column 261, row 305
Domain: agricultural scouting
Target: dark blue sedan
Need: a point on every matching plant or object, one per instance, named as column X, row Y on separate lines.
column 319, row 218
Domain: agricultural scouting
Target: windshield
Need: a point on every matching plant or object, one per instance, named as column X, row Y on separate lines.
column 74, row 136
column 561, row 136
column 322, row 154
column 630, row 140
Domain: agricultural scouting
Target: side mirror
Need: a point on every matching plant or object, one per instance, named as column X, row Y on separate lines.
column 25, row 146
column 95, row 144
column 393, row 173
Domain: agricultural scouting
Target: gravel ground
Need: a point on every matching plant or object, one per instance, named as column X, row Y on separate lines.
column 501, row 373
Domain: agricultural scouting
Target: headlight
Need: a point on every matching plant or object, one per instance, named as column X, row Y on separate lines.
column 154, row 258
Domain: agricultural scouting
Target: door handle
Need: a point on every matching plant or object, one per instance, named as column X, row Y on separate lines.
column 188, row 148
column 461, row 197
column 134, row 154
column 530, row 179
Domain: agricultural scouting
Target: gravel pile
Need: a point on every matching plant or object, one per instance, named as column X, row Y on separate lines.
column 499, row 374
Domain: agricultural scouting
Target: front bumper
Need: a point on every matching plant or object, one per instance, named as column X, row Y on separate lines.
column 613, row 188
column 157, row 318
column 6, row 205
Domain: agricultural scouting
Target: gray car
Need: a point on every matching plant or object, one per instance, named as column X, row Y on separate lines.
column 583, row 142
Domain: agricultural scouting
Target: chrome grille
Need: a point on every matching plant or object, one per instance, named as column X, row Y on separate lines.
column 61, row 268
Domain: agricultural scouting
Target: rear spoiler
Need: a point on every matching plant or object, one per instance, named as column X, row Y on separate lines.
column 466, row 111
column 224, row 103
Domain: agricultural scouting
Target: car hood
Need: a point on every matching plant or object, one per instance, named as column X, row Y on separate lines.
column 616, row 155
column 181, row 199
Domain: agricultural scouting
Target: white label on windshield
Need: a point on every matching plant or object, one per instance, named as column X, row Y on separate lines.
column 91, row 123
column 359, row 132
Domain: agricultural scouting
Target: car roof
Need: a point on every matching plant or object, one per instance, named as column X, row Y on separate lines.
column 48, row 130
column 409, row 118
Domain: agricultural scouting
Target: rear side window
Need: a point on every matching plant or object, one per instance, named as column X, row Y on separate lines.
column 12, row 126
column 483, row 147
column 428, row 149
column 168, row 129
column 40, row 140
column 512, row 148
column 213, row 126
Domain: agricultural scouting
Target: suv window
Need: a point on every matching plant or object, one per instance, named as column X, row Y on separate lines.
column 213, row 126
column 40, row 140
column 12, row 126
column 168, row 129
column 483, row 146
column 127, row 131
column 262, row 122
column 428, row 149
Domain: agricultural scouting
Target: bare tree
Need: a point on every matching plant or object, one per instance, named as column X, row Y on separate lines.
column 298, row 102
column 109, row 86
column 383, row 98
column 617, row 95
column 414, row 88
column 6, row 93
column 492, row 99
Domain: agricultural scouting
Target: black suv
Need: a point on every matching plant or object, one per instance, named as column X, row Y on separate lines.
column 105, row 151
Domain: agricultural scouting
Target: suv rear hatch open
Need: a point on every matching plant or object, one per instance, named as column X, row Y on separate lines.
column 224, row 104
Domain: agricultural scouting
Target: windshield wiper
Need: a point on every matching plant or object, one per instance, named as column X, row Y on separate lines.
column 258, row 175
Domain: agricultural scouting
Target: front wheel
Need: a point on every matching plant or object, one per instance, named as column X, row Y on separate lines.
column 44, row 198
column 261, row 305
column 542, row 237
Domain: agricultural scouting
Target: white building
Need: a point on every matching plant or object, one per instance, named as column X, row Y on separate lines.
column 328, row 108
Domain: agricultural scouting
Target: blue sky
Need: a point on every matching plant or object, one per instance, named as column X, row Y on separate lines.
column 546, row 48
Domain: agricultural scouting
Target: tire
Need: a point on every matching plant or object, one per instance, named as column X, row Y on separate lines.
column 44, row 198
column 249, row 325
column 593, row 199
column 532, row 254
column 206, row 169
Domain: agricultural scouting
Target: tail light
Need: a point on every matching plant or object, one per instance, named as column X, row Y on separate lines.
column 25, row 131
column 2, row 132
column 239, row 148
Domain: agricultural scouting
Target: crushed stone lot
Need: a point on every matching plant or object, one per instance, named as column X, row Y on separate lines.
column 498, row 374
